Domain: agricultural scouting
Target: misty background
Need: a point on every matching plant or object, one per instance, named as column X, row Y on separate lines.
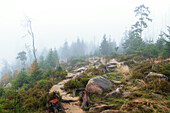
column 55, row 22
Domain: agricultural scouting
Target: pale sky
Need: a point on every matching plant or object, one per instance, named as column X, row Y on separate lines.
column 55, row 21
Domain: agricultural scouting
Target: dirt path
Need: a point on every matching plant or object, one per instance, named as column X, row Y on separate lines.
column 71, row 107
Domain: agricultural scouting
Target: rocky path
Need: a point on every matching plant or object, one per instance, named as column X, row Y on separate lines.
column 70, row 107
column 72, row 104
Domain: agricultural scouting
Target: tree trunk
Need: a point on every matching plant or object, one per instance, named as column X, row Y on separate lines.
column 33, row 42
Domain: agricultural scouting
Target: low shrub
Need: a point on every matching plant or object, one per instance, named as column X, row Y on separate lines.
column 45, row 84
column 129, row 63
column 78, row 82
column 95, row 71
column 137, row 75
column 72, row 84
column 2, row 91
column 158, row 85
column 141, row 70
column 139, row 58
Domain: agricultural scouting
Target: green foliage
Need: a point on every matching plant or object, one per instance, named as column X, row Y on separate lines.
column 168, row 65
column 74, row 61
column 139, row 58
column 166, row 52
column 75, row 50
column 73, row 84
column 141, row 70
column 160, row 43
column 130, row 63
column 107, row 47
column 158, row 85
column 138, row 75
column 22, row 101
column 10, row 92
column 2, row 91
column 125, row 57
column 94, row 71
column 22, row 57
column 42, row 63
column 114, row 76
column 79, row 82
column 65, row 53
column 2, row 109
column 49, row 72
column 143, row 13
column 51, row 60
column 33, row 99
column 150, row 50
column 45, row 84
column 60, row 73
column 21, row 79
column 37, row 74
column 134, row 43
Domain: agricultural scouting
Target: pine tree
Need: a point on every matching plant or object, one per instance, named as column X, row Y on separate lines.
column 143, row 13
column 22, row 57
column 36, row 73
column 105, row 46
column 51, row 60
column 167, row 44
column 21, row 79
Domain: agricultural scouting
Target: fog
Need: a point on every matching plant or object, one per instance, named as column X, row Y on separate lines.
column 57, row 21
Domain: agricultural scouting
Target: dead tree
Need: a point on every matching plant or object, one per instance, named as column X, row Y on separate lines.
column 30, row 32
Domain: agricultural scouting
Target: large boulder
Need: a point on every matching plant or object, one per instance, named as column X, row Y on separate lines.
column 98, row 84
column 156, row 75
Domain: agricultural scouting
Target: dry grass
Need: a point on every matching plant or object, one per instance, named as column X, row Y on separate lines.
column 124, row 69
column 139, row 84
column 160, row 60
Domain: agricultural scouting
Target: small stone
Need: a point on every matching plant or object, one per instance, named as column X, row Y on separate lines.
column 116, row 82
column 126, row 94
column 157, row 95
column 112, row 66
column 105, row 76
column 115, row 92
column 113, row 111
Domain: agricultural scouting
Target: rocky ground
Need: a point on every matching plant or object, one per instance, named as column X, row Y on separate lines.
column 71, row 104
column 125, row 94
